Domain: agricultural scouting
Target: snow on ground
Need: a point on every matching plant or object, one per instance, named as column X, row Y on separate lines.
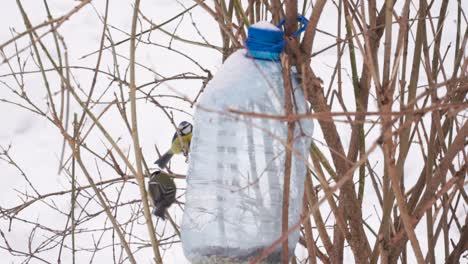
column 36, row 144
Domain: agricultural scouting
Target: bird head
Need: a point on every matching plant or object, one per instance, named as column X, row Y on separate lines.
column 185, row 128
column 155, row 174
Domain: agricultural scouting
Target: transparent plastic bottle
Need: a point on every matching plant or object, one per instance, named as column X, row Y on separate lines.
column 236, row 165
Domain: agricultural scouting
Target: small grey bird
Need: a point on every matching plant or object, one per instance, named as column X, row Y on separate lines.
column 162, row 190
column 177, row 147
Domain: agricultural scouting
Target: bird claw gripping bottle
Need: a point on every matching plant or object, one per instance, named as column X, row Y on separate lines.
column 234, row 195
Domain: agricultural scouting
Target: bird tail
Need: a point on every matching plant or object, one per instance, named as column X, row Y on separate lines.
column 162, row 162
column 160, row 212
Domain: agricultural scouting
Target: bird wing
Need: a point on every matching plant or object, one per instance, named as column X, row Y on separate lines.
column 154, row 189
column 174, row 137
column 161, row 193
column 169, row 193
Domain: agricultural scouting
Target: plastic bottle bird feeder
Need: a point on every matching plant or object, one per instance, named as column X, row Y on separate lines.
column 237, row 161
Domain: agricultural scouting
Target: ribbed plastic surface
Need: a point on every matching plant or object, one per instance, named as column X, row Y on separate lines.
column 236, row 170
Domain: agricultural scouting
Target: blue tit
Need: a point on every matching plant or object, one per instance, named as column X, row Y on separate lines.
column 162, row 190
column 185, row 134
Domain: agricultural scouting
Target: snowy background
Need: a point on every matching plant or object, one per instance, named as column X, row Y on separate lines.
column 36, row 144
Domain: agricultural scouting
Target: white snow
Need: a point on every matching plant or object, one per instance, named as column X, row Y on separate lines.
column 36, row 144
column 265, row 25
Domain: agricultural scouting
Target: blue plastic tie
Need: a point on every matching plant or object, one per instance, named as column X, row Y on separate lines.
column 268, row 44
column 304, row 21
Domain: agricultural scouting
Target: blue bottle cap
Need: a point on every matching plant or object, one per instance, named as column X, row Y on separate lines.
column 265, row 41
